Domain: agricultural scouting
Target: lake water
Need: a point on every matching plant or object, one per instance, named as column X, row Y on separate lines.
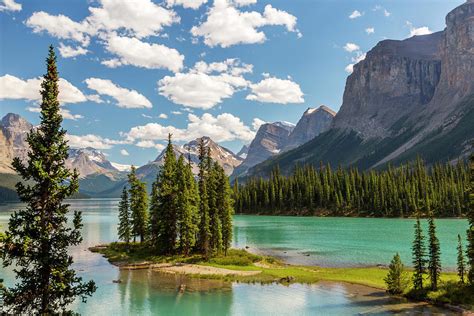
column 318, row 241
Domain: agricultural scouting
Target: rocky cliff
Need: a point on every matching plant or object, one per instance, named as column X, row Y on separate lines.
column 313, row 122
column 407, row 98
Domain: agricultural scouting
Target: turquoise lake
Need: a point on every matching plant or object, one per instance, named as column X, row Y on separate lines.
column 299, row 240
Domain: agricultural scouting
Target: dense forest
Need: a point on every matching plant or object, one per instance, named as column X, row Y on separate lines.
column 394, row 192
column 184, row 216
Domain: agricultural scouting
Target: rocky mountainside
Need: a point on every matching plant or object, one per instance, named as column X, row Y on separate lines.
column 226, row 158
column 313, row 122
column 407, row 98
column 269, row 141
column 13, row 130
column 243, row 152
column 89, row 161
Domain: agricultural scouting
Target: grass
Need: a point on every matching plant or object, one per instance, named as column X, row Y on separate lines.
column 273, row 270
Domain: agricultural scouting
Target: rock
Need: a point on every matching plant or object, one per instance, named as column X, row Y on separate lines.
column 117, row 281
column 287, row 279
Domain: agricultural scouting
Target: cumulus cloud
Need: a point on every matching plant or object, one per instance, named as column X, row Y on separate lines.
column 66, row 114
column 125, row 98
column 417, row 31
column 12, row 87
column 256, row 123
column 132, row 51
column 149, row 144
column 188, row 4
column 355, row 14
column 242, row 3
column 205, row 85
column 274, row 90
column 351, row 47
column 370, row 30
column 124, row 152
column 360, row 56
column 163, row 116
column 9, row 5
column 69, row 51
column 226, row 25
column 91, row 140
column 223, row 127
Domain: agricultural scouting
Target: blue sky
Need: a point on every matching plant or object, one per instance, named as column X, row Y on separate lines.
column 135, row 70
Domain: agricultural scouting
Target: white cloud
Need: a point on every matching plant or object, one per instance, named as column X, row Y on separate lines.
column 59, row 26
column 226, row 25
column 351, row 47
column 205, row 85
column 149, row 144
column 256, row 123
column 67, row 115
column 349, row 68
column 370, row 30
column 386, row 13
column 417, row 31
column 380, row 8
column 223, row 127
column 355, row 59
column 163, row 116
column 274, row 90
column 188, row 4
column 355, row 14
column 124, row 152
column 9, row 5
column 242, row 3
column 90, row 140
column 139, row 18
column 69, row 51
column 12, row 87
column 176, row 112
column 126, row 98
column 132, row 51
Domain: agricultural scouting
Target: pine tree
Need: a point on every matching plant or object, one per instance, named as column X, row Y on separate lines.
column 224, row 205
column 215, row 225
column 167, row 207
column 419, row 256
column 187, row 206
column 138, row 206
column 395, row 279
column 203, row 242
column 470, row 232
column 38, row 237
column 461, row 263
column 434, row 262
column 124, row 228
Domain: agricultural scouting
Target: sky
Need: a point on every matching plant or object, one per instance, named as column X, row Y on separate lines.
column 133, row 71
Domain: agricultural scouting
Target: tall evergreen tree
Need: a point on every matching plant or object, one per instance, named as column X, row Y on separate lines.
column 434, row 262
column 124, row 228
column 38, row 237
column 470, row 232
column 138, row 206
column 461, row 263
column 204, row 236
column 224, row 204
column 166, row 210
column 395, row 278
column 419, row 256
column 215, row 225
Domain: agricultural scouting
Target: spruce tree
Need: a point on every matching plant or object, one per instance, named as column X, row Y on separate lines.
column 434, row 262
column 38, row 237
column 124, row 228
column 395, row 279
column 419, row 256
column 138, row 206
column 461, row 263
column 225, row 209
column 470, row 232
column 215, row 225
column 166, row 209
column 203, row 243
column 187, row 206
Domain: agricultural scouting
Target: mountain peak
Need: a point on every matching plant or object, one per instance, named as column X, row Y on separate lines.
column 324, row 108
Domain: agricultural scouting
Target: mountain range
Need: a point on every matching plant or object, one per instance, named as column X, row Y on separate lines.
column 407, row 98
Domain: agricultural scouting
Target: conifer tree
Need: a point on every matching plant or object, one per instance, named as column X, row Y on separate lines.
column 470, row 232
column 124, row 228
column 166, row 210
column 38, row 237
column 138, row 206
column 187, row 206
column 215, row 225
column 224, row 205
column 203, row 242
column 461, row 263
column 434, row 262
column 419, row 256
column 395, row 279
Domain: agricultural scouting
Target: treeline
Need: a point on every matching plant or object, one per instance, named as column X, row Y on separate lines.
column 183, row 215
column 395, row 192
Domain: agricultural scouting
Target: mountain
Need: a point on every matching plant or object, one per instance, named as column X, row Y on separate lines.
column 243, row 152
column 13, row 133
column 313, row 122
column 226, row 158
column 269, row 141
column 89, row 161
column 407, row 98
